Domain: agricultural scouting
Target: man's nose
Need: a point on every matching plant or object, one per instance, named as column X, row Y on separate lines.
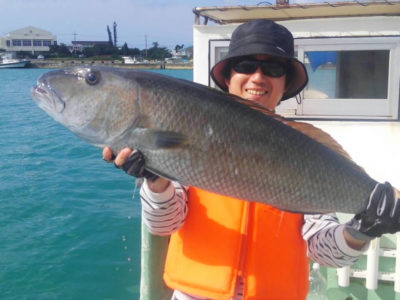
column 258, row 75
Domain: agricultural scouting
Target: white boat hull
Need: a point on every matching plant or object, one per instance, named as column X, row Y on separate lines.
column 20, row 64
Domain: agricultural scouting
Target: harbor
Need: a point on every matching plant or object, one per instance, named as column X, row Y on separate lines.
column 34, row 47
column 63, row 63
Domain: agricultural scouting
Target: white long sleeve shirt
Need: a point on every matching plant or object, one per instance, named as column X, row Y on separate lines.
column 165, row 213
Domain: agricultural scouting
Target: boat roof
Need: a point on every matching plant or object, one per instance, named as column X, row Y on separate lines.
column 280, row 12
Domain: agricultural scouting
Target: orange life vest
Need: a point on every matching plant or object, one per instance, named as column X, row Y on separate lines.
column 223, row 238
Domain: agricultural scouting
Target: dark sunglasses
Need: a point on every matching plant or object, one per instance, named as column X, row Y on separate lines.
column 271, row 68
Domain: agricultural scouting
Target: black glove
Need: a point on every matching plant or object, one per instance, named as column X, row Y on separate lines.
column 134, row 166
column 380, row 215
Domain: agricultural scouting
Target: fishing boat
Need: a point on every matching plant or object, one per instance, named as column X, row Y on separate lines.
column 7, row 61
column 128, row 60
column 352, row 52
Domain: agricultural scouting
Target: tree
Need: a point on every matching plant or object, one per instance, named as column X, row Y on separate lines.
column 100, row 50
column 109, row 35
column 59, row 50
column 125, row 49
column 177, row 48
column 115, row 34
column 157, row 52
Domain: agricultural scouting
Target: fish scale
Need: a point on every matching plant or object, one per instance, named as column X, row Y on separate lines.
column 202, row 137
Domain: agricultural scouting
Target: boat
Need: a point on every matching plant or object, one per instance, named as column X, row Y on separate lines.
column 360, row 38
column 128, row 60
column 7, row 61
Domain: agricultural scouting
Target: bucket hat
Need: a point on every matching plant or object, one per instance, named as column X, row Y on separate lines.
column 263, row 37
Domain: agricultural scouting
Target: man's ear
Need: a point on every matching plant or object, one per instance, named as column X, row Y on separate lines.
column 286, row 85
column 227, row 82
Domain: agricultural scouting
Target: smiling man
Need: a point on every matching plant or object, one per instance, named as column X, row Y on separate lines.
column 226, row 248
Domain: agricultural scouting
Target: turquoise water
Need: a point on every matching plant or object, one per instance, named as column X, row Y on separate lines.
column 69, row 222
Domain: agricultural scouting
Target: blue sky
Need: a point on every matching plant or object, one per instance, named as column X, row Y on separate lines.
column 168, row 22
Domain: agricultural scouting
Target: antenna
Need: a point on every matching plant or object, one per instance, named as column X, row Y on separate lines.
column 145, row 43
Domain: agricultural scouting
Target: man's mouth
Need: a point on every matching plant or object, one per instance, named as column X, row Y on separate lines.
column 256, row 92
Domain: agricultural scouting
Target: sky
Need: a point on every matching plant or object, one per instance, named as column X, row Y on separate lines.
column 167, row 22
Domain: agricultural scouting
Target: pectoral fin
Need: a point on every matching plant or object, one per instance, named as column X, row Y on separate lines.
column 159, row 139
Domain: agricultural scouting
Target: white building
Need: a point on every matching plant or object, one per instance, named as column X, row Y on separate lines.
column 80, row 45
column 28, row 39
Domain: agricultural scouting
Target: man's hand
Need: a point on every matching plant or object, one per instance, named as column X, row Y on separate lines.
column 380, row 215
column 131, row 161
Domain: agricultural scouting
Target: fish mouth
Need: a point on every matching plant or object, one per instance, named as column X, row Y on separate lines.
column 46, row 97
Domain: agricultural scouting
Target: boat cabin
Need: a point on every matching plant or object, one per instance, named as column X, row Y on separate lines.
column 352, row 54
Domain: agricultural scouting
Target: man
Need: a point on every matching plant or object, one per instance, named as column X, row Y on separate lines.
column 226, row 248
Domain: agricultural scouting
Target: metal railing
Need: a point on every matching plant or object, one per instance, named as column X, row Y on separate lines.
column 372, row 274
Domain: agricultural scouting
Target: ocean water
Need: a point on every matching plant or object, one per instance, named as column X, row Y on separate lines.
column 69, row 222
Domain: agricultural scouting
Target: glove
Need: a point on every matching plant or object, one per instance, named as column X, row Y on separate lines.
column 380, row 215
column 134, row 166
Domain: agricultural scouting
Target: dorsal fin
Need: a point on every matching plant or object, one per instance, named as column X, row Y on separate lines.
column 305, row 128
column 318, row 135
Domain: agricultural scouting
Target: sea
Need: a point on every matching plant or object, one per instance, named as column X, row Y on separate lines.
column 69, row 222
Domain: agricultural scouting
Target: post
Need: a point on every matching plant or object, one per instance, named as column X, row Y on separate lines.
column 372, row 265
column 344, row 276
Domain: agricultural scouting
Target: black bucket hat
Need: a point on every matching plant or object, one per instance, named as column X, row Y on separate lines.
column 263, row 37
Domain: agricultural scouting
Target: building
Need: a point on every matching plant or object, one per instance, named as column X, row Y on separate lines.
column 30, row 39
column 80, row 45
column 188, row 52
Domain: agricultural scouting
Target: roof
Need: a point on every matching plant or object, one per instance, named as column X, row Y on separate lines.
column 243, row 13
column 90, row 43
column 29, row 31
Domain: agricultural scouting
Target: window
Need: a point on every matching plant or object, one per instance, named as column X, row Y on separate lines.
column 37, row 43
column 347, row 74
column 8, row 43
column 27, row 43
column 350, row 78
column 218, row 49
column 46, row 43
column 16, row 42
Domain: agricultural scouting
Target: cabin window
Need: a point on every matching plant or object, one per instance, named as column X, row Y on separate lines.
column 37, row 43
column 27, row 43
column 349, row 78
column 8, row 43
column 218, row 49
column 46, row 43
column 347, row 74
column 16, row 42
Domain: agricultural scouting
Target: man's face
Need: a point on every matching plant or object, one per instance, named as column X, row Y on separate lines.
column 258, row 87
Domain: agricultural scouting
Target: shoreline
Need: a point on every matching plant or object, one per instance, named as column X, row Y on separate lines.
column 56, row 64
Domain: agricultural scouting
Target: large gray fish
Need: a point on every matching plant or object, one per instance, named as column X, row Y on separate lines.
column 205, row 138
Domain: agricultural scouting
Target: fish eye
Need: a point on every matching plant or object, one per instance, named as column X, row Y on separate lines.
column 92, row 77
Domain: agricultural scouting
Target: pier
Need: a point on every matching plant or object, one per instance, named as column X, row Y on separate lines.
column 60, row 63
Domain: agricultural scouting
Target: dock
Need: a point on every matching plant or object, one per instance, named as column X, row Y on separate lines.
column 60, row 63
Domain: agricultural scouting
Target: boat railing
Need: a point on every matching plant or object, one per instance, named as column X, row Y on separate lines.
column 372, row 274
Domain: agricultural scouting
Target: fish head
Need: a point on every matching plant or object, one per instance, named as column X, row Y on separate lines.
column 98, row 104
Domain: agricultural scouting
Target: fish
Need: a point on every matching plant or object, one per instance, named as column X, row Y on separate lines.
column 203, row 137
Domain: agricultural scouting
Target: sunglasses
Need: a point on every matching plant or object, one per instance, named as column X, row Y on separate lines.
column 271, row 68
